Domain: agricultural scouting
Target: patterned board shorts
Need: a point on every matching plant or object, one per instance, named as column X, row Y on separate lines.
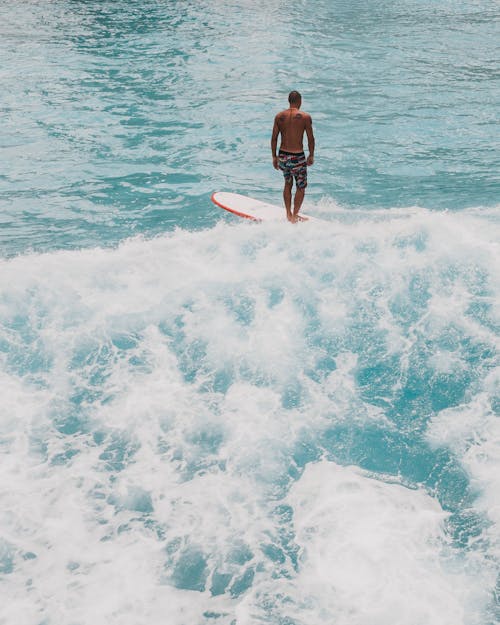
column 293, row 166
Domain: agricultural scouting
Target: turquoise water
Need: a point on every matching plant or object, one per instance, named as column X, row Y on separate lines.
column 206, row 421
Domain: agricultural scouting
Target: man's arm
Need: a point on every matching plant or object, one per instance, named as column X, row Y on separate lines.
column 274, row 143
column 310, row 140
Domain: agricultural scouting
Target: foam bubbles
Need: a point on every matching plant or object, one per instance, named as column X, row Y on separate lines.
column 472, row 431
column 177, row 413
column 372, row 550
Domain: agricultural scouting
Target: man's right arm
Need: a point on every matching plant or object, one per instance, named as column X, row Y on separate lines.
column 310, row 140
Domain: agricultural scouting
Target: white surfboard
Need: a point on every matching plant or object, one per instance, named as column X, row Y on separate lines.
column 250, row 208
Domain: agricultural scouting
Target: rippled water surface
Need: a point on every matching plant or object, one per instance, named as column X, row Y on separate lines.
column 121, row 117
column 206, row 421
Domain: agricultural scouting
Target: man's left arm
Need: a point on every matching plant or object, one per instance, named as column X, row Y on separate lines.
column 274, row 143
column 310, row 140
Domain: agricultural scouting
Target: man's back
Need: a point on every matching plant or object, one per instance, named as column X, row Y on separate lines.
column 292, row 123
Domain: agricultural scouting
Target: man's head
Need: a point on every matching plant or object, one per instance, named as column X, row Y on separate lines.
column 295, row 99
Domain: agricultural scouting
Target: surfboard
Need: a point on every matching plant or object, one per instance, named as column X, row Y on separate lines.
column 249, row 208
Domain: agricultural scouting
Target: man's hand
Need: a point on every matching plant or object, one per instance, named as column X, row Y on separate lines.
column 310, row 159
column 275, row 162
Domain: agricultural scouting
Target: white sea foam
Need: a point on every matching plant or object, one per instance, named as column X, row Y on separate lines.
column 372, row 552
column 472, row 431
column 162, row 399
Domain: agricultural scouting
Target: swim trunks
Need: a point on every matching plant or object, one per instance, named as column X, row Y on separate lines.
column 293, row 165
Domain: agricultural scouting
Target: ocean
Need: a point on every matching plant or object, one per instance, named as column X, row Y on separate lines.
column 208, row 421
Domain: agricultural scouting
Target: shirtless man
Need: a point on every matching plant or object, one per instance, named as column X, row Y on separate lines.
column 292, row 123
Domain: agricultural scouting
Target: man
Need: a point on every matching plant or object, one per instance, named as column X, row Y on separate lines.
column 291, row 124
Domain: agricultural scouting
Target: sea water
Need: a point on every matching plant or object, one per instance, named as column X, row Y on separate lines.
column 207, row 421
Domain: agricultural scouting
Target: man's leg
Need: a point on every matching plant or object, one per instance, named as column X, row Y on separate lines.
column 287, row 198
column 300, row 175
column 297, row 202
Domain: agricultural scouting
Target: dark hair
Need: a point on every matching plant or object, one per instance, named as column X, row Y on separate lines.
column 294, row 97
